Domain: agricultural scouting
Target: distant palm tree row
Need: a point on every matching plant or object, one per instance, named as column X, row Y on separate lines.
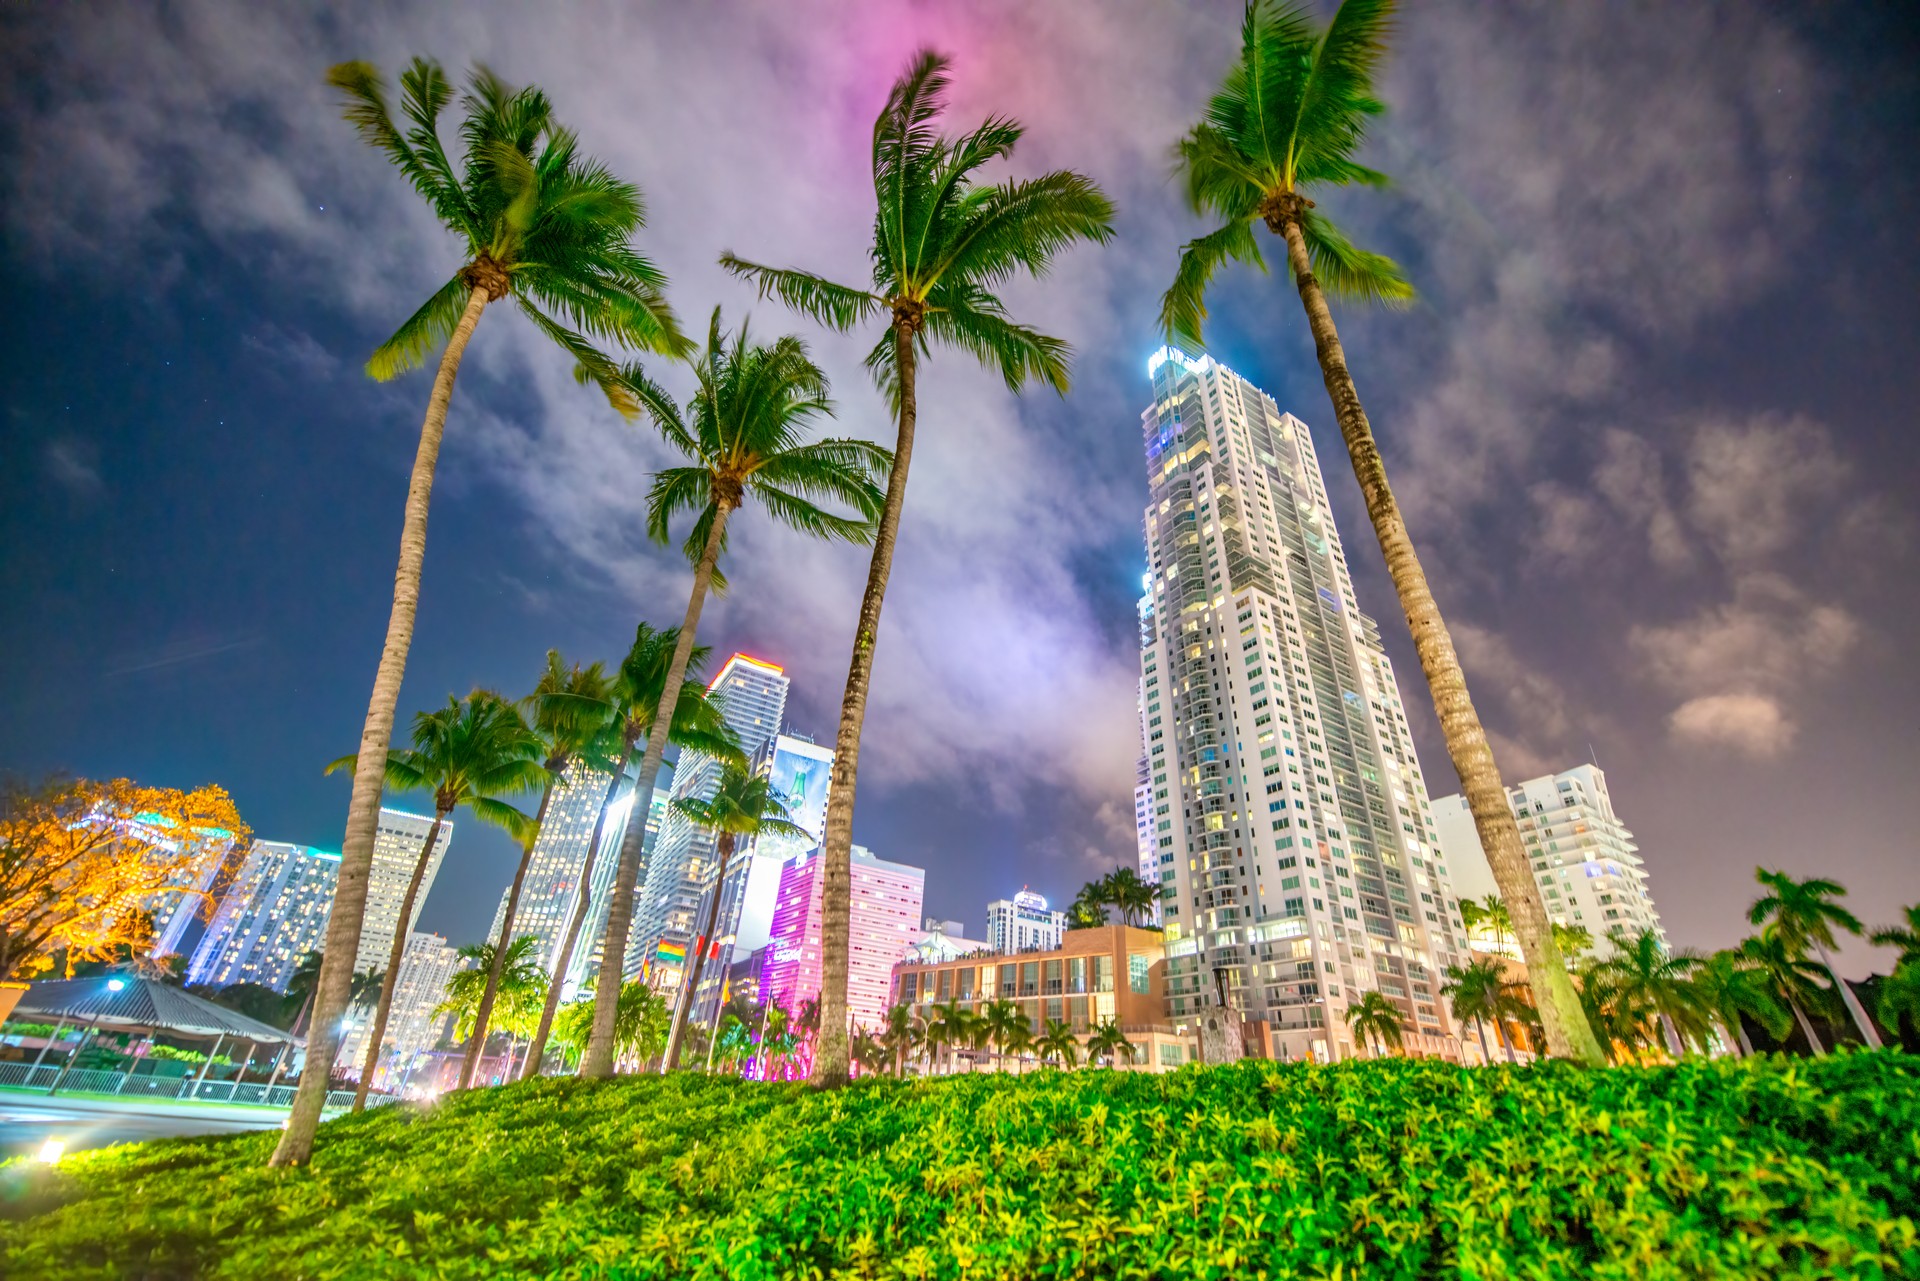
column 933, row 1040
column 550, row 229
column 1644, row 998
column 1123, row 890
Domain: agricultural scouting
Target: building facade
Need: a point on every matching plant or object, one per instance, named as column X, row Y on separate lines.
column 396, row 849
column 274, row 912
column 1584, row 859
column 1290, row 815
column 1024, row 923
column 553, row 884
column 885, row 922
column 413, row 1028
column 752, row 696
column 1112, row 973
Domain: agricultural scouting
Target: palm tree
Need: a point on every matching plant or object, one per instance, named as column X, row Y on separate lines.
column 742, row 804
column 1479, row 992
column 697, row 725
column 1791, row 975
column 997, row 1021
column 1378, row 1020
column 1574, row 941
column 1287, row 120
column 869, row 1051
column 467, row 753
column 569, row 706
column 1728, row 986
column 1134, row 898
column 1905, row 936
column 1108, row 1042
column 1804, row 912
column 1088, row 911
column 745, row 432
column 301, row 986
column 539, row 223
column 1620, row 1021
column 947, row 1027
column 1058, row 1044
column 1018, row 1040
column 1900, row 997
column 519, row 991
column 1645, row 974
column 902, row 1035
column 942, row 243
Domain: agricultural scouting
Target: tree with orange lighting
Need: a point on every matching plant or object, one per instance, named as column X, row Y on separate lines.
column 83, row 864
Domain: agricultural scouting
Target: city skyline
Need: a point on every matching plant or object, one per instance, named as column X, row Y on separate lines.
column 1664, row 505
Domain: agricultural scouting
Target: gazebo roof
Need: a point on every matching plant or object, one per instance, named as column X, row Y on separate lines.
column 143, row 1005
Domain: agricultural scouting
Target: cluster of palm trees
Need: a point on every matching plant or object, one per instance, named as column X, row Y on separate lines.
column 935, row 1040
column 549, row 229
column 1123, row 890
column 1645, row 999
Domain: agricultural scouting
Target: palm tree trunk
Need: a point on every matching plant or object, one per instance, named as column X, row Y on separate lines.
column 363, row 810
column 1740, row 1034
column 537, row 1048
column 1500, row 1039
column 1852, row 1002
column 392, row 976
column 598, row 1059
column 1675, row 1046
column 478, row 1040
column 702, row 941
column 1564, row 1023
column 1806, row 1027
column 836, row 890
column 1480, row 1029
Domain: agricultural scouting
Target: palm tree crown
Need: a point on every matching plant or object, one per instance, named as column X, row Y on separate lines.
column 1904, row 937
column 1804, row 914
column 537, row 220
column 469, row 753
column 1375, row 1018
column 1645, row 974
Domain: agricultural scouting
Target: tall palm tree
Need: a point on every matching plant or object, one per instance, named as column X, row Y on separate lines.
column 1058, row 1044
column 697, row 725
column 1805, row 914
column 1728, row 986
column 569, row 713
column 541, row 224
column 942, row 243
column 1379, row 1021
column 301, row 986
column 469, row 753
column 1644, row 973
column 902, row 1035
column 742, row 805
column 1479, row 995
column 1905, row 936
column 1791, row 975
column 1108, row 1042
column 745, row 434
column 1287, row 120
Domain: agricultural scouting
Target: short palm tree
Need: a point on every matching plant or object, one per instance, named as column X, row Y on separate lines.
column 745, row 433
column 1727, row 987
column 1379, row 1022
column 998, row 1019
column 470, row 752
column 1645, row 974
column 1620, row 1021
column 301, row 986
column 1905, row 937
column 1107, row 1042
column 1088, row 911
column 1806, row 913
column 519, row 991
column 1574, row 941
column 1791, row 976
column 870, row 1051
column 948, row 1027
column 1287, row 120
column 1134, row 897
column 742, row 805
column 569, row 712
column 1058, row 1044
column 541, row 224
column 942, row 243
column 1479, row 995
column 901, row 1035
column 1018, row 1041
column 697, row 726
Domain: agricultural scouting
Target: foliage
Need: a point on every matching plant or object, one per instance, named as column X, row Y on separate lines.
column 639, row 1023
column 1376, row 1019
column 523, row 989
column 82, row 863
column 1122, row 890
column 1394, row 1169
column 1904, row 936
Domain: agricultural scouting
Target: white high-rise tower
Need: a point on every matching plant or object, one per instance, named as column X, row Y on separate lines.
column 1290, row 818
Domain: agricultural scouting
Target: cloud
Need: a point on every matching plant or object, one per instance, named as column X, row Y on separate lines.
column 1749, row 723
column 1757, row 485
column 298, row 354
column 74, row 465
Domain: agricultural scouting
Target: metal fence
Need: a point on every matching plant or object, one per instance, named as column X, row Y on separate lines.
column 117, row 1081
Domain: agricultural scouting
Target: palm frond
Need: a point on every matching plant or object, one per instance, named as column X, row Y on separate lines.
column 421, row 333
column 1022, row 225
column 426, row 93
column 1183, row 308
column 977, row 325
column 904, row 143
column 796, row 512
column 1337, row 99
column 590, row 364
column 650, row 398
column 835, row 306
column 1345, row 271
column 675, row 490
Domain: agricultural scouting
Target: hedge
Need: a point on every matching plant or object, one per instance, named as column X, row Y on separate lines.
column 1767, row 1167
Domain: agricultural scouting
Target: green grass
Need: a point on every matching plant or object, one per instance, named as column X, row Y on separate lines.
column 1764, row 1168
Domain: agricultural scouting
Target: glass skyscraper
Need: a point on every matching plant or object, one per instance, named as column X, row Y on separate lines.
column 1290, row 819
column 274, row 912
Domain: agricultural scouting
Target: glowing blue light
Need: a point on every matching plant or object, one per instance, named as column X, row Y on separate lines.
column 114, row 985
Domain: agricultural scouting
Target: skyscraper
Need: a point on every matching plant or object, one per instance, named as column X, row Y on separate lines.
column 553, row 883
column 1024, row 923
column 884, row 923
column 273, row 913
column 426, row 963
column 752, row 696
column 1583, row 857
column 396, row 848
column 1290, row 817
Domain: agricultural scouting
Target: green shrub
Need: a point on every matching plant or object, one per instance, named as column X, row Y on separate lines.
column 1390, row 1169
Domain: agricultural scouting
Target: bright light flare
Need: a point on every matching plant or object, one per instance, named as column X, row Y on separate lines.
column 51, row 1151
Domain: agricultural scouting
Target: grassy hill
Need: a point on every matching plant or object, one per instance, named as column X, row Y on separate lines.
column 1762, row 1168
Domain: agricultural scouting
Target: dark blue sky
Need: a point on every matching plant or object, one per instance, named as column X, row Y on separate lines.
column 1653, row 420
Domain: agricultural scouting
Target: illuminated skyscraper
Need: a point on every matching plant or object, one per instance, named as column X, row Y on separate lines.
column 1290, row 817
column 426, row 963
column 273, row 913
column 396, row 848
column 885, row 922
column 753, row 697
column 1024, row 923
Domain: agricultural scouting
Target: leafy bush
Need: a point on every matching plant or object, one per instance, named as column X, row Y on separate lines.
column 1392, row 1169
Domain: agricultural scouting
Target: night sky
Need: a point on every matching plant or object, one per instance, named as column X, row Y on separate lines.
column 1653, row 421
